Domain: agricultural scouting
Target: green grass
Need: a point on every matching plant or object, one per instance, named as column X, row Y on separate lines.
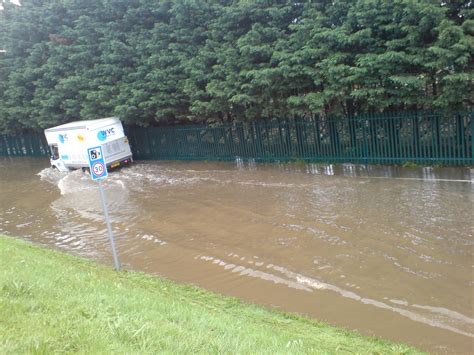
column 52, row 302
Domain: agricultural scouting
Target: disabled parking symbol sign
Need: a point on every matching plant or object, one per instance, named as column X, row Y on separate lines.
column 97, row 163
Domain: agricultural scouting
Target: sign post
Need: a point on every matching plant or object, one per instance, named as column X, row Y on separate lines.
column 98, row 170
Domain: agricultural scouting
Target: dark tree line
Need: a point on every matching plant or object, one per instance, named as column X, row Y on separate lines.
column 180, row 61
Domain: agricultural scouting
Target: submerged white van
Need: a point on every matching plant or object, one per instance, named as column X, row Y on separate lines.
column 69, row 142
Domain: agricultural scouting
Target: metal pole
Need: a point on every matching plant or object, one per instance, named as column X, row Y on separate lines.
column 109, row 228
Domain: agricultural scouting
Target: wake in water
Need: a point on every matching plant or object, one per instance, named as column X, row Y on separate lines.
column 383, row 239
column 137, row 178
column 434, row 316
column 67, row 182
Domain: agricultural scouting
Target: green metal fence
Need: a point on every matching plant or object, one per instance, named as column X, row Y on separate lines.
column 24, row 144
column 420, row 137
column 392, row 138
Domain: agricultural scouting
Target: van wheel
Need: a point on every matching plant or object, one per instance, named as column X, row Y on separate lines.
column 86, row 170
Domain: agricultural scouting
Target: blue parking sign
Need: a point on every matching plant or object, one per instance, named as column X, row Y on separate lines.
column 97, row 163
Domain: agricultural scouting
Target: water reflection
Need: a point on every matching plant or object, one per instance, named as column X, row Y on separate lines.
column 358, row 246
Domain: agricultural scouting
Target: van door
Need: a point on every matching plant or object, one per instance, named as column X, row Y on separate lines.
column 55, row 161
column 54, row 151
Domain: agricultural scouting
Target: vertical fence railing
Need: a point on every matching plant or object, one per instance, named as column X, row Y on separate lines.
column 24, row 144
column 392, row 138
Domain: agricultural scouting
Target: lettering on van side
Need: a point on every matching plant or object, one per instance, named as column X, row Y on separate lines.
column 63, row 138
column 102, row 135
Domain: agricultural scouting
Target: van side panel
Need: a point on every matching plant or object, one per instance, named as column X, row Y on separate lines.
column 104, row 134
column 72, row 149
column 73, row 141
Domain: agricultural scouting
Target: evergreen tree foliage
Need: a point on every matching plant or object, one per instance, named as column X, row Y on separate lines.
column 184, row 61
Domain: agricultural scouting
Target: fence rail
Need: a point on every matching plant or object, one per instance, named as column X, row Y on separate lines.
column 392, row 138
column 25, row 144
column 419, row 137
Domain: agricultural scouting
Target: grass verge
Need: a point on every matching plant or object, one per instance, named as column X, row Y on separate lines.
column 53, row 302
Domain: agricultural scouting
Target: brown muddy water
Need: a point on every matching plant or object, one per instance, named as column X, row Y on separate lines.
column 382, row 250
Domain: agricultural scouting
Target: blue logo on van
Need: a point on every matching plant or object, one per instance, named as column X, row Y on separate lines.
column 102, row 135
column 62, row 138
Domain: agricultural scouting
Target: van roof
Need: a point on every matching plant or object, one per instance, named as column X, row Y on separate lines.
column 90, row 124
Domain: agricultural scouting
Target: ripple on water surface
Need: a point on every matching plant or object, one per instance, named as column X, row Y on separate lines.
column 335, row 237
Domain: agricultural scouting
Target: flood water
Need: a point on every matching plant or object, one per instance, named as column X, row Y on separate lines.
column 382, row 250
